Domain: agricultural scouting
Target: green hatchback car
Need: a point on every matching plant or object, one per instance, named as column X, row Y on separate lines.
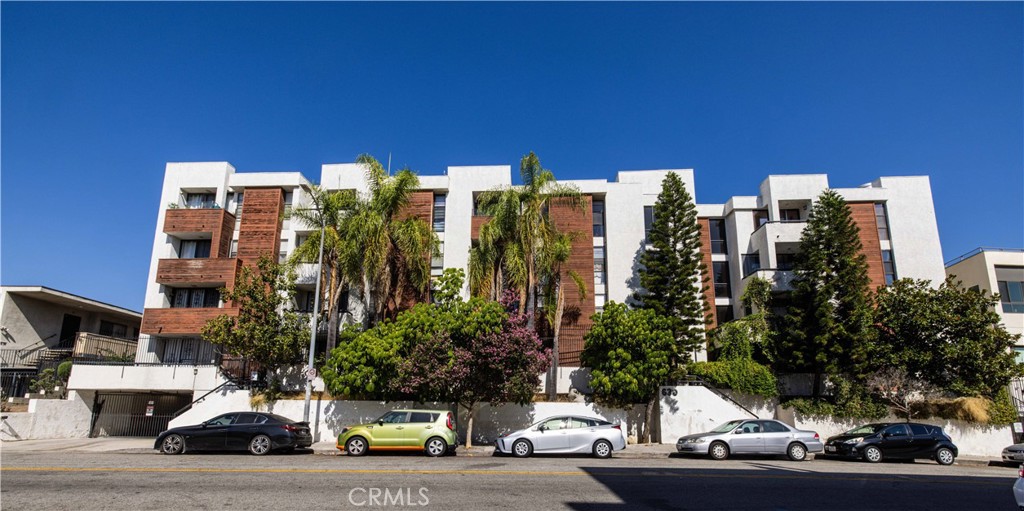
column 430, row 431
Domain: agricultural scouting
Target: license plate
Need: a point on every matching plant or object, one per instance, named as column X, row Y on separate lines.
column 830, row 448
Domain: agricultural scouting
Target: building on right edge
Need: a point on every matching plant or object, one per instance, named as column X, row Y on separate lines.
column 996, row 270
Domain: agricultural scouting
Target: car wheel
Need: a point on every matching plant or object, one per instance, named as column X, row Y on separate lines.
column 173, row 444
column 259, row 445
column 797, row 451
column 718, row 451
column 356, row 446
column 872, row 454
column 944, row 456
column 436, row 446
column 522, row 448
column 603, row 449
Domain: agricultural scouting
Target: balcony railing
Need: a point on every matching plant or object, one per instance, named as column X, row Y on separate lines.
column 781, row 280
column 96, row 347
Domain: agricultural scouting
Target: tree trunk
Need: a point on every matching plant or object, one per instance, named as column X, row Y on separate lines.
column 648, row 413
column 556, row 329
column 469, row 425
column 333, row 297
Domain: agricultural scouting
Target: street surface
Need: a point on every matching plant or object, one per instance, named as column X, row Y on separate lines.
column 83, row 481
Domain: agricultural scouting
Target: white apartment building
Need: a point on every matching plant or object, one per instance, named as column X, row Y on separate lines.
column 211, row 220
column 996, row 270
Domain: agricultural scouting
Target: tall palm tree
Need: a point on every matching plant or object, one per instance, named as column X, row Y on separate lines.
column 342, row 261
column 554, row 261
column 396, row 248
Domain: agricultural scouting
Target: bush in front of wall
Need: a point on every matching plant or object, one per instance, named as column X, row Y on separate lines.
column 741, row 375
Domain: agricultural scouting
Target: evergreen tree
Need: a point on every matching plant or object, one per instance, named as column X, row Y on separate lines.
column 672, row 272
column 828, row 327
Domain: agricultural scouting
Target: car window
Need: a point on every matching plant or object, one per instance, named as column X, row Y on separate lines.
column 246, row 418
column 599, row 422
column 394, row 418
column 773, row 427
column 728, row 426
column 420, row 417
column 869, row 429
column 896, row 430
column 580, row 423
column 919, row 430
column 554, row 423
column 262, row 419
column 750, row 427
column 223, row 420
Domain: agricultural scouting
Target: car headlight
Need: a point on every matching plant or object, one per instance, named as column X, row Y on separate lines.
column 696, row 440
column 854, row 440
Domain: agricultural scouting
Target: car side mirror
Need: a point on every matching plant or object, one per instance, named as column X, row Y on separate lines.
column 738, row 432
column 380, row 423
column 542, row 428
column 203, row 425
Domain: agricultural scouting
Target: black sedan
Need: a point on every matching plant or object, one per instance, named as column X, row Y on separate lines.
column 904, row 440
column 257, row 432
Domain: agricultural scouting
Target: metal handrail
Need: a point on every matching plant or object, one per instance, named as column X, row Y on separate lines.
column 697, row 380
column 979, row 250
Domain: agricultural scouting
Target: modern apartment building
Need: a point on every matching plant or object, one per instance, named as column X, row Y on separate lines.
column 996, row 270
column 213, row 220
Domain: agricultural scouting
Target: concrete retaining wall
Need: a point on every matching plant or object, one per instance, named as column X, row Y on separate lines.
column 49, row 418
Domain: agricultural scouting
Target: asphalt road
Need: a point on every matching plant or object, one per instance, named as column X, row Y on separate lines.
column 87, row 481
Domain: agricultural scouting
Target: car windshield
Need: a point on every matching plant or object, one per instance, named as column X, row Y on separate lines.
column 728, row 426
column 869, row 429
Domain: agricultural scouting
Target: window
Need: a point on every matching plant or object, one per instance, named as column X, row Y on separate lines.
column 721, row 279
column 785, row 262
column 1011, row 288
column 889, row 266
column 598, row 210
column 234, row 249
column 919, row 430
column 246, row 418
column 1018, row 354
column 282, row 254
column 648, row 222
column 238, row 205
column 751, row 263
column 422, row 417
column 558, row 423
column 437, row 262
column 760, row 218
column 300, row 239
column 305, row 301
column 773, row 427
column 438, row 216
column 113, row 329
column 897, row 430
column 882, row 221
column 789, row 215
column 195, row 298
column 394, row 418
column 199, row 201
column 599, row 266
column 718, row 243
column 723, row 313
column 575, row 423
column 223, row 420
column 194, row 249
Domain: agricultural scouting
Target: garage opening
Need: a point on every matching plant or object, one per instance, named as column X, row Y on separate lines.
column 134, row 413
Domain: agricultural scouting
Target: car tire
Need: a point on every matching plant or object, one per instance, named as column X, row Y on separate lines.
column 435, row 447
column 260, row 445
column 872, row 454
column 796, row 451
column 602, row 449
column 522, row 448
column 173, row 444
column 718, row 451
column 944, row 456
column 356, row 446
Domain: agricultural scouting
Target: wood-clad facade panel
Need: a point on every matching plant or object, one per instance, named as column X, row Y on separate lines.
column 218, row 222
column 708, row 278
column 183, row 272
column 578, row 310
column 260, row 230
column 180, row 321
column 863, row 214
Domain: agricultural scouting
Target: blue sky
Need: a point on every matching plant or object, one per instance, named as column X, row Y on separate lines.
column 96, row 97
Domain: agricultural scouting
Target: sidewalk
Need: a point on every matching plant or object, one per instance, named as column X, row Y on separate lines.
column 130, row 445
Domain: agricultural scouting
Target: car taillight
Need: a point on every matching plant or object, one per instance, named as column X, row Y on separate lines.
column 289, row 427
column 1020, row 473
column 816, row 436
column 449, row 422
column 618, row 427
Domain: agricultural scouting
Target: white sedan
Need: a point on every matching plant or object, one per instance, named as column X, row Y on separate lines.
column 1018, row 489
column 566, row 434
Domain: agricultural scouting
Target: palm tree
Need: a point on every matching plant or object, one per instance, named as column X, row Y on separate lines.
column 554, row 259
column 332, row 210
column 396, row 248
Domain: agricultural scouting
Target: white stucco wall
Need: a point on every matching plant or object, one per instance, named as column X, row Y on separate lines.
column 980, row 270
column 690, row 409
column 168, row 378
column 49, row 418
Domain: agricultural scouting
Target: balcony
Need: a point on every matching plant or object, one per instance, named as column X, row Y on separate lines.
column 781, row 280
column 776, row 232
column 180, row 321
column 96, row 347
column 193, row 272
column 217, row 225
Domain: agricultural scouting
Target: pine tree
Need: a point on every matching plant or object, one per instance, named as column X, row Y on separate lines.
column 672, row 272
column 828, row 327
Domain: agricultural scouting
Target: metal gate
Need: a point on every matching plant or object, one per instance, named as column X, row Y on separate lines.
column 134, row 414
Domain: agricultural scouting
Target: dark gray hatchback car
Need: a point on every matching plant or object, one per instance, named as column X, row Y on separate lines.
column 903, row 440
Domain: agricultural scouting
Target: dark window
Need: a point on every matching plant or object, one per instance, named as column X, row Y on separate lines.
column 420, row 417
column 1011, row 294
column 246, row 418
column 395, row 418
column 889, row 266
column 897, row 430
column 199, row 201
column 234, row 249
column 648, row 222
column 789, row 215
column 437, row 261
column 195, row 298
column 598, row 210
column 721, row 278
column 751, row 263
column 305, row 301
column 760, row 218
column 599, row 266
column 194, row 249
column 223, row 420
column 882, row 221
column 785, row 262
column 439, row 207
column 773, row 427
column 919, row 430
column 113, row 329
column 723, row 313
column 718, row 243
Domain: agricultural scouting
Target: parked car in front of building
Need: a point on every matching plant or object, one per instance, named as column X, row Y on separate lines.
column 564, row 434
column 1018, row 489
column 875, row 442
column 258, row 432
column 1014, row 454
column 751, row 436
column 430, row 431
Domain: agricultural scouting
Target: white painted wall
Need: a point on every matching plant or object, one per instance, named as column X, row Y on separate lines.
column 169, row 378
column 49, row 418
column 980, row 270
column 690, row 409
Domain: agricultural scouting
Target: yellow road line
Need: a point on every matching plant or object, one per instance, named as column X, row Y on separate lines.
column 641, row 473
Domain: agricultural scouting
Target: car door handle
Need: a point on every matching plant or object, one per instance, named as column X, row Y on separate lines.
column 430, row 427
column 400, row 427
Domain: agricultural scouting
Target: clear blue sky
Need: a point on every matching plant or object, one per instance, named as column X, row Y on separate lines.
column 96, row 97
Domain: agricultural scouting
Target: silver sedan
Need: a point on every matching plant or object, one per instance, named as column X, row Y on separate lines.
column 752, row 437
column 567, row 434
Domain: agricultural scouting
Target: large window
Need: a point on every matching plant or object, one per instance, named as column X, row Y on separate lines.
column 112, row 329
column 1011, row 295
column 195, row 298
column 760, row 217
column 889, row 266
column 751, row 263
column 718, row 243
column 598, row 210
column 440, row 200
column 437, row 261
column 648, row 222
column 199, row 201
column 600, row 279
column 721, row 277
column 785, row 262
column 789, row 215
column 194, row 249
column 723, row 314
column 882, row 221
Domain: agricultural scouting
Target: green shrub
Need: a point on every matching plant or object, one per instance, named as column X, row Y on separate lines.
column 1001, row 410
column 64, row 370
column 743, row 375
column 849, row 400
